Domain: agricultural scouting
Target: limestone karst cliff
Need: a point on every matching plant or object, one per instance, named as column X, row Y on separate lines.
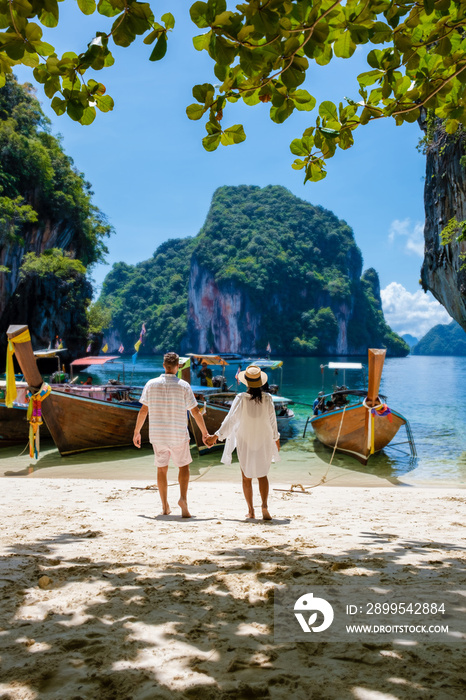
column 444, row 269
column 266, row 267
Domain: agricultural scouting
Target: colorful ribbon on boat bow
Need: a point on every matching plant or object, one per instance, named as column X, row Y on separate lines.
column 381, row 410
column 11, row 394
column 35, row 417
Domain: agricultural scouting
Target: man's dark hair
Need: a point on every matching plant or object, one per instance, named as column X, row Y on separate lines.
column 171, row 359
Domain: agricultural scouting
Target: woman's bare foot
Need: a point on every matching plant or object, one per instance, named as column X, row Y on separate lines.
column 184, row 509
column 250, row 516
column 265, row 513
column 166, row 510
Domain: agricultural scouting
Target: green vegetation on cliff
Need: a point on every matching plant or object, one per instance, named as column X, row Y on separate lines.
column 443, row 339
column 297, row 265
column 50, row 231
column 38, row 183
column 154, row 292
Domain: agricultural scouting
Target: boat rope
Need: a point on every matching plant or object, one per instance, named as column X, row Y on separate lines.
column 304, row 489
column 11, row 393
column 34, row 416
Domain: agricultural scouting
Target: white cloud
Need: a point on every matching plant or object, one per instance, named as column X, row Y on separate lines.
column 412, row 233
column 411, row 313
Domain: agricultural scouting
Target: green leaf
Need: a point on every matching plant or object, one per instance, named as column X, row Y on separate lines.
column 104, row 103
column 160, row 49
column 297, row 148
column 168, row 20
column 234, row 134
column 75, row 110
column 279, row 114
column 33, row 32
column 88, row 116
column 298, row 164
column 202, row 41
column 195, row 112
column 303, row 101
column 110, row 8
column 369, row 78
column 211, row 142
column 204, row 93
column 293, row 76
column 328, row 111
column 87, row 7
column 58, row 106
column 344, row 47
column 48, row 15
column 199, row 13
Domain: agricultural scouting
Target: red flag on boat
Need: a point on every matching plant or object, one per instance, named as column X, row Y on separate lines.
column 237, row 374
column 88, row 349
column 121, row 348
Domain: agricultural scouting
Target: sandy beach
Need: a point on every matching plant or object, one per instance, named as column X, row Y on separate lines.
column 102, row 598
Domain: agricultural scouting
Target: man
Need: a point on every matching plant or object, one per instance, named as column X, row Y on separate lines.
column 205, row 374
column 167, row 400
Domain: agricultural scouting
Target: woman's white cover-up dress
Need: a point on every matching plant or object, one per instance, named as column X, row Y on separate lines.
column 251, row 427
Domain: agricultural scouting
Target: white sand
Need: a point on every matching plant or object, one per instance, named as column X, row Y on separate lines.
column 141, row 607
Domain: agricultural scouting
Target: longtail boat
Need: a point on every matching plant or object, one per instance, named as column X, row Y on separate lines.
column 76, row 422
column 356, row 422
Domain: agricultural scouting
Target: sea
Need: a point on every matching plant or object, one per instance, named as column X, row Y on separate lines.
column 430, row 392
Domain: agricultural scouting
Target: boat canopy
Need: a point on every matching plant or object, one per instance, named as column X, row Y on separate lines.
column 210, row 359
column 344, row 365
column 265, row 364
column 94, row 360
column 49, row 353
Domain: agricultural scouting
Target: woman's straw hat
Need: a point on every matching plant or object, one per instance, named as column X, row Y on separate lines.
column 253, row 376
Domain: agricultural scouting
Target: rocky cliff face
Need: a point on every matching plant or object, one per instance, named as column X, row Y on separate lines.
column 51, row 307
column 268, row 267
column 20, row 302
column 445, row 199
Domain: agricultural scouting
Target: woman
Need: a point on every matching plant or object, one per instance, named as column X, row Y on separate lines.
column 251, row 427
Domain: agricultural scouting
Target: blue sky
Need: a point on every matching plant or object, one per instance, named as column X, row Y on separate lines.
column 153, row 179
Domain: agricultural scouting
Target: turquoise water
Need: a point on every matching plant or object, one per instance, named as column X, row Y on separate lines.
column 429, row 391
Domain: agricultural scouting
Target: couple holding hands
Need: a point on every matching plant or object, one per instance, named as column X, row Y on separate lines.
column 250, row 427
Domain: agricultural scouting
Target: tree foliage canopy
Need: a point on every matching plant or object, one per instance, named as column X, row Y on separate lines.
column 262, row 50
column 38, row 183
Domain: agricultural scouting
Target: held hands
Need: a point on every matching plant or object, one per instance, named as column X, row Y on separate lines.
column 137, row 439
column 209, row 440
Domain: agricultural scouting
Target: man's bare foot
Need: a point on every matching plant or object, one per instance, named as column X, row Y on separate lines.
column 250, row 516
column 166, row 510
column 265, row 513
column 184, row 509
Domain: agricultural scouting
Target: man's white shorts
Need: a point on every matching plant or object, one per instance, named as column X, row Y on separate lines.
column 180, row 455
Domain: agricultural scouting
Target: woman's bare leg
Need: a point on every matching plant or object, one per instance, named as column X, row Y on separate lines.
column 247, row 490
column 264, row 492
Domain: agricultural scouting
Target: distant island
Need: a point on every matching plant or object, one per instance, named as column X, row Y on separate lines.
column 443, row 339
column 411, row 340
column 266, row 268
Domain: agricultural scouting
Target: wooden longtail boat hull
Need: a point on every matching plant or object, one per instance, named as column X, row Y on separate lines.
column 14, row 426
column 353, row 436
column 77, row 423
column 351, row 429
column 89, row 424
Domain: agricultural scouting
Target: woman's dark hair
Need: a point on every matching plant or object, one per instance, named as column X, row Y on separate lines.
column 255, row 393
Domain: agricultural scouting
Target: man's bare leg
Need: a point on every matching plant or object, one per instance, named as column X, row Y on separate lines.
column 183, row 480
column 247, row 490
column 264, row 491
column 162, row 485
